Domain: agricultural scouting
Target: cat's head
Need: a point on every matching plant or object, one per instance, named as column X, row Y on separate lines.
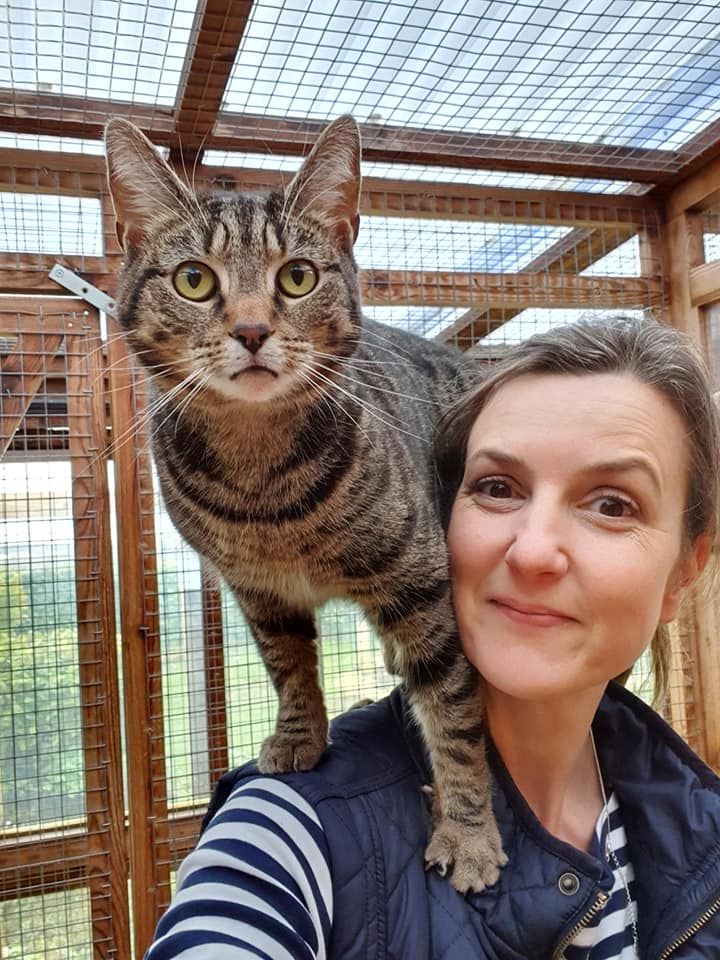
column 252, row 297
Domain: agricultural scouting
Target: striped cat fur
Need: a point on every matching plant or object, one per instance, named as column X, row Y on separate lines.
column 293, row 443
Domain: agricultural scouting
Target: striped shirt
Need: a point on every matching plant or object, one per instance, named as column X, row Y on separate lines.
column 610, row 935
column 258, row 886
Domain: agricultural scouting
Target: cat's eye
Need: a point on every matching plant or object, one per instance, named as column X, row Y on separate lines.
column 195, row 281
column 297, row 278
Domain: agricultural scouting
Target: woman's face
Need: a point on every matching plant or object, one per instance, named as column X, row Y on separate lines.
column 566, row 535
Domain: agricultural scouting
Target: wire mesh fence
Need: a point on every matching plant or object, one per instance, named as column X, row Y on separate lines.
column 61, row 808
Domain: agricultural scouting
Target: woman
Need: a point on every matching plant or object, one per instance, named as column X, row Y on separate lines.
column 580, row 489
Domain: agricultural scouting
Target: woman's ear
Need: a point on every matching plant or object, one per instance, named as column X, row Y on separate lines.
column 688, row 569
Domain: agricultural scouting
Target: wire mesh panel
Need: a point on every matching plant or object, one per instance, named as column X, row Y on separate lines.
column 711, row 233
column 62, row 856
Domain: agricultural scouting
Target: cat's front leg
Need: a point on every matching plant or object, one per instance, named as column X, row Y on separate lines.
column 287, row 641
column 443, row 691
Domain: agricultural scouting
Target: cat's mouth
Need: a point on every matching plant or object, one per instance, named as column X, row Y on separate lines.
column 254, row 368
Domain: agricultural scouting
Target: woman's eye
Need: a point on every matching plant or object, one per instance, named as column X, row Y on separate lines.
column 195, row 281
column 495, row 489
column 297, row 278
column 614, row 506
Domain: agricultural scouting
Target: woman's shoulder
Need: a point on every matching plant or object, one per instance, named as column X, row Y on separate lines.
column 648, row 741
column 371, row 747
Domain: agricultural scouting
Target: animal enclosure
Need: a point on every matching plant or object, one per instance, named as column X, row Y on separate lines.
column 524, row 165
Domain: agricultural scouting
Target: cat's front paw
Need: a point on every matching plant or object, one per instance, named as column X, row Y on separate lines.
column 287, row 753
column 472, row 856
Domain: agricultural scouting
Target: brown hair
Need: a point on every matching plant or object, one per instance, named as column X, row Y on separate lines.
column 655, row 354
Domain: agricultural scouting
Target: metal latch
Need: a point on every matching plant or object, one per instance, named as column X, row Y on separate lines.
column 71, row 281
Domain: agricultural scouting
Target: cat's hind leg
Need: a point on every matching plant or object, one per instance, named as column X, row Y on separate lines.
column 287, row 640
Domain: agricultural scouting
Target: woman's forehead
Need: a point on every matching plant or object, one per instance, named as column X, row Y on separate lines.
column 581, row 417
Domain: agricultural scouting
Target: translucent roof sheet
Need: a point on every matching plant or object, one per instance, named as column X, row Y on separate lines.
column 408, row 171
column 48, row 224
column 26, row 141
column 623, row 261
column 540, row 320
column 424, row 321
column 637, row 74
column 108, row 49
column 407, row 243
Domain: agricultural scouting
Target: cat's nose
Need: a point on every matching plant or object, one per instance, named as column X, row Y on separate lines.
column 251, row 336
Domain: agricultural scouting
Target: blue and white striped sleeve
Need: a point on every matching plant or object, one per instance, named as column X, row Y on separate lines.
column 256, row 886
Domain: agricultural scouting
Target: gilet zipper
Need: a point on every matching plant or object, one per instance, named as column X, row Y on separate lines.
column 691, row 931
column 602, row 899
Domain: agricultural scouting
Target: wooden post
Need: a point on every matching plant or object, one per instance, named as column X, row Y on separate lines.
column 683, row 252
column 142, row 676
column 214, row 675
column 105, row 810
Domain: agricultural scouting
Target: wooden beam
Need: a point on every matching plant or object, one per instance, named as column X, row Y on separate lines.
column 59, row 858
column 445, row 288
column 27, row 273
column 385, row 144
column 49, row 864
column 702, row 162
column 141, row 654
column 76, row 175
column 504, row 291
column 682, row 249
column 705, row 284
column 62, row 115
column 218, row 31
column 700, row 191
column 217, row 718
column 97, row 653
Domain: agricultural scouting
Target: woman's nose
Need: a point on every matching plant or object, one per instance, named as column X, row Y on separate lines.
column 539, row 544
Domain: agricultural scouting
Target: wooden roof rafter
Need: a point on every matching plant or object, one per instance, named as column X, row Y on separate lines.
column 61, row 115
column 217, row 34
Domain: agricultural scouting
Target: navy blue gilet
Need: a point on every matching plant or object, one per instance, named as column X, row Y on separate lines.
column 367, row 792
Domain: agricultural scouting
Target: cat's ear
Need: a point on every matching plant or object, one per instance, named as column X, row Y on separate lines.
column 141, row 183
column 328, row 183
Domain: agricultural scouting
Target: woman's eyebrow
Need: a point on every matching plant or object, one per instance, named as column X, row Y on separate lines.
column 623, row 464
column 626, row 465
column 497, row 456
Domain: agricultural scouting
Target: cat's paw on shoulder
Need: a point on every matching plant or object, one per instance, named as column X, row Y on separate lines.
column 472, row 858
column 288, row 753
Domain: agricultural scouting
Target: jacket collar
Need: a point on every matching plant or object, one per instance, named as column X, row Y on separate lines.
column 670, row 803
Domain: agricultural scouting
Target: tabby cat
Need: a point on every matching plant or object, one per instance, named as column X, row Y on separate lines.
column 293, row 443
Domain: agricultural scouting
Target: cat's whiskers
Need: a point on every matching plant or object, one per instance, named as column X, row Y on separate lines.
column 372, row 386
column 198, row 388
column 153, row 408
column 137, row 427
column 333, row 402
column 353, row 361
column 101, row 348
column 182, row 407
column 369, row 407
column 125, row 364
column 370, row 331
column 191, row 185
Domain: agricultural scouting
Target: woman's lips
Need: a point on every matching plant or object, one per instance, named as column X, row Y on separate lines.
column 530, row 613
